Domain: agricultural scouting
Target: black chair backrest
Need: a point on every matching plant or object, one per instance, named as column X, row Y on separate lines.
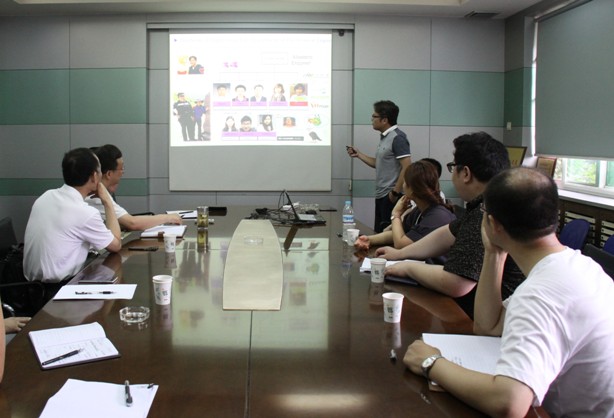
column 574, row 233
column 7, row 236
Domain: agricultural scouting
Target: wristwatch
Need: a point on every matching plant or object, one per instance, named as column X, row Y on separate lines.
column 428, row 364
column 393, row 217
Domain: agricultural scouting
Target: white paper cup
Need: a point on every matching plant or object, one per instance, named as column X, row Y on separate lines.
column 378, row 265
column 352, row 235
column 162, row 285
column 393, row 303
column 345, row 231
column 170, row 242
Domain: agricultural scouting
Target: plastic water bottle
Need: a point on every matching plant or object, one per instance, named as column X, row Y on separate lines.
column 348, row 219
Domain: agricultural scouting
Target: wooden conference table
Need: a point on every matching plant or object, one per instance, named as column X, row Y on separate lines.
column 325, row 353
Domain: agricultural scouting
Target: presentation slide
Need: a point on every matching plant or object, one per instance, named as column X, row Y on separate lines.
column 241, row 97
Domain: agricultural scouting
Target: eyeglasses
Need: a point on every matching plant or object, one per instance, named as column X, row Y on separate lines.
column 377, row 117
column 451, row 166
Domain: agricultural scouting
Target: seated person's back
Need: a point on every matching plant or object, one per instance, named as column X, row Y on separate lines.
column 62, row 227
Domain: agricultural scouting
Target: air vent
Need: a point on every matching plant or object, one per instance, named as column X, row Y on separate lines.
column 481, row 15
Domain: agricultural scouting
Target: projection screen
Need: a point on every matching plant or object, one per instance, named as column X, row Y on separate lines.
column 250, row 111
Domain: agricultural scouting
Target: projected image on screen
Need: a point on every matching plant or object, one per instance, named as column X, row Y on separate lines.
column 230, row 89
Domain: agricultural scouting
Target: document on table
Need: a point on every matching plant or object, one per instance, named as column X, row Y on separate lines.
column 366, row 264
column 185, row 214
column 79, row 398
column 95, row 291
column 159, row 231
column 473, row 352
column 58, row 347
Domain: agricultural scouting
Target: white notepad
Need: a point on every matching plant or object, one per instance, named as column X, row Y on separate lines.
column 90, row 339
column 159, row 231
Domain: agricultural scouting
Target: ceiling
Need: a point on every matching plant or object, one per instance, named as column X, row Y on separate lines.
column 434, row 8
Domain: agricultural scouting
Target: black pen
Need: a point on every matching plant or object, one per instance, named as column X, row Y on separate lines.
column 104, row 292
column 185, row 211
column 127, row 392
column 62, row 357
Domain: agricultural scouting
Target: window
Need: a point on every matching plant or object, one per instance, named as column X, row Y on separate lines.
column 586, row 175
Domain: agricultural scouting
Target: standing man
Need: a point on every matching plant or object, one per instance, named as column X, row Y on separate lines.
column 391, row 159
column 112, row 168
column 557, row 341
column 62, row 227
column 185, row 115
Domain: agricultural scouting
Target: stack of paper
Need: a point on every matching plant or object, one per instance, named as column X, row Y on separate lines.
column 78, row 399
column 473, row 352
column 160, row 230
column 95, row 291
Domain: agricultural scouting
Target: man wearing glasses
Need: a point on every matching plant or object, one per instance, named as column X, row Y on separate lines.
column 391, row 159
column 556, row 329
column 112, row 167
column 477, row 158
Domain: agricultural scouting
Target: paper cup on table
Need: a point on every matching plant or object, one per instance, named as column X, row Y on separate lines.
column 345, row 231
column 352, row 234
column 378, row 265
column 393, row 303
column 170, row 242
column 162, row 285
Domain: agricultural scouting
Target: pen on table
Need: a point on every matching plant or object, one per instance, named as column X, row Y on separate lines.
column 127, row 392
column 184, row 212
column 104, row 292
column 62, row 357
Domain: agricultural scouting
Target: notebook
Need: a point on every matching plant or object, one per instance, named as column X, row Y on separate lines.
column 160, row 230
column 59, row 347
column 305, row 218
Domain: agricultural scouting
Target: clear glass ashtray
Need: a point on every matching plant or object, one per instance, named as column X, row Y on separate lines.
column 134, row 314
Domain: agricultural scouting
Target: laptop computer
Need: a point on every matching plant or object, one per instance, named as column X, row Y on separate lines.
column 305, row 218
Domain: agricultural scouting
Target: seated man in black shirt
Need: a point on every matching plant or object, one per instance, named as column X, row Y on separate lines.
column 477, row 158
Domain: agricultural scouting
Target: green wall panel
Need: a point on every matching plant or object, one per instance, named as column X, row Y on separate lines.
column 108, row 96
column 409, row 89
column 133, row 187
column 517, row 108
column 31, row 97
column 363, row 188
column 36, row 187
column 461, row 98
column 27, row 187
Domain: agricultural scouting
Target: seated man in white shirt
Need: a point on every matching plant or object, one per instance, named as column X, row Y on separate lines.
column 557, row 340
column 62, row 227
column 112, row 166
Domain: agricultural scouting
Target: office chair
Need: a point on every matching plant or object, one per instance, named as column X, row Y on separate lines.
column 574, row 234
column 608, row 247
column 19, row 296
column 603, row 258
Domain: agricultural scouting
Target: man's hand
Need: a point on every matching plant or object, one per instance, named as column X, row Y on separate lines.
column 362, row 243
column 15, row 323
column 174, row 218
column 416, row 353
column 352, row 152
column 104, row 195
column 389, row 253
column 489, row 247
